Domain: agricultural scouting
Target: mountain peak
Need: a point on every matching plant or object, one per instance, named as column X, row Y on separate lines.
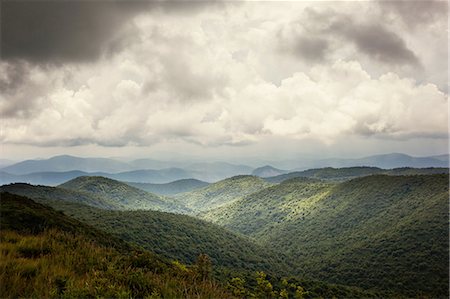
column 267, row 171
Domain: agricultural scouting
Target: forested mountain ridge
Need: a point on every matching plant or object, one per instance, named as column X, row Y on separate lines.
column 347, row 173
column 46, row 254
column 53, row 255
column 221, row 193
column 48, row 193
column 130, row 197
column 171, row 188
column 179, row 237
column 361, row 232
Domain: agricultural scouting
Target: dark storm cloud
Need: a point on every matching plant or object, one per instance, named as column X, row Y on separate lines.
column 312, row 48
column 414, row 13
column 18, row 102
column 379, row 43
column 376, row 40
column 62, row 31
column 372, row 39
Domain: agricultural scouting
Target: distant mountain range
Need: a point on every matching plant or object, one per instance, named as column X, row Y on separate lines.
column 59, row 169
column 386, row 161
column 267, row 171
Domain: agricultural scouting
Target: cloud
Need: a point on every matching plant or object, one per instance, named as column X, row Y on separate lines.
column 379, row 43
column 73, row 31
column 325, row 104
column 416, row 13
column 208, row 80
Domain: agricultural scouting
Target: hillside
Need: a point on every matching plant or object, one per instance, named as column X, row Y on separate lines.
column 342, row 174
column 46, row 254
column 54, row 193
column 221, row 193
column 178, row 237
column 171, row 188
column 362, row 232
column 129, row 197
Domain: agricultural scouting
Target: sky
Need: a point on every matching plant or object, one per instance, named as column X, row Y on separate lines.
column 223, row 80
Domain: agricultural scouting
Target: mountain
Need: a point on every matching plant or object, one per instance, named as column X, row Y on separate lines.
column 41, row 178
column 67, row 163
column 129, row 197
column 6, row 162
column 386, row 161
column 45, row 254
column 150, row 175
column 221, row 193
column 56, row 178
column 53, row 193
column 215, row 171
column 442, row 158
column 346, row 173
column 179, row 237
column 381, row 232
column 171, row 188
column 267, row 171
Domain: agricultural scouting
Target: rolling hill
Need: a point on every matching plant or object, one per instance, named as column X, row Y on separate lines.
column 179, row 237
column 171, row 188
column 129, row 197
column 45, row 253
column 383, row 232
column 54, row 193
column 346, row 173
column 221, row 193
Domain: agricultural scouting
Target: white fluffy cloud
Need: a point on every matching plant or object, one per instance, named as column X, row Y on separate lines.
column 220, row 78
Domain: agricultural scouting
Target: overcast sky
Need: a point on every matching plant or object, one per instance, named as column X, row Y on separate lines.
column 223, row 79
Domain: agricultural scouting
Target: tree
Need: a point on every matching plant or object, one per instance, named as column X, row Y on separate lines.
column 204, row 266
column 264, row 288
column 237, row 287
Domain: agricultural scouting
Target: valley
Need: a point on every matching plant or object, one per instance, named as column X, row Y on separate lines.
column 342, row 232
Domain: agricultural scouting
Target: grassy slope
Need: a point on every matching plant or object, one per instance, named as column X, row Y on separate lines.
column 386, row 232
column 171, row 188
column 222, row 193
column 130, row 197
column 44, row 254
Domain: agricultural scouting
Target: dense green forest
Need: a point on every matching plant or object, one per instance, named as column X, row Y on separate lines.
column 384, row 232
column 380, row 235
column 171, row 188
column 347, row 173
column 129, row 197
column 46, row 193
column 46, row 254
column 222, row 193
column 178, row 237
